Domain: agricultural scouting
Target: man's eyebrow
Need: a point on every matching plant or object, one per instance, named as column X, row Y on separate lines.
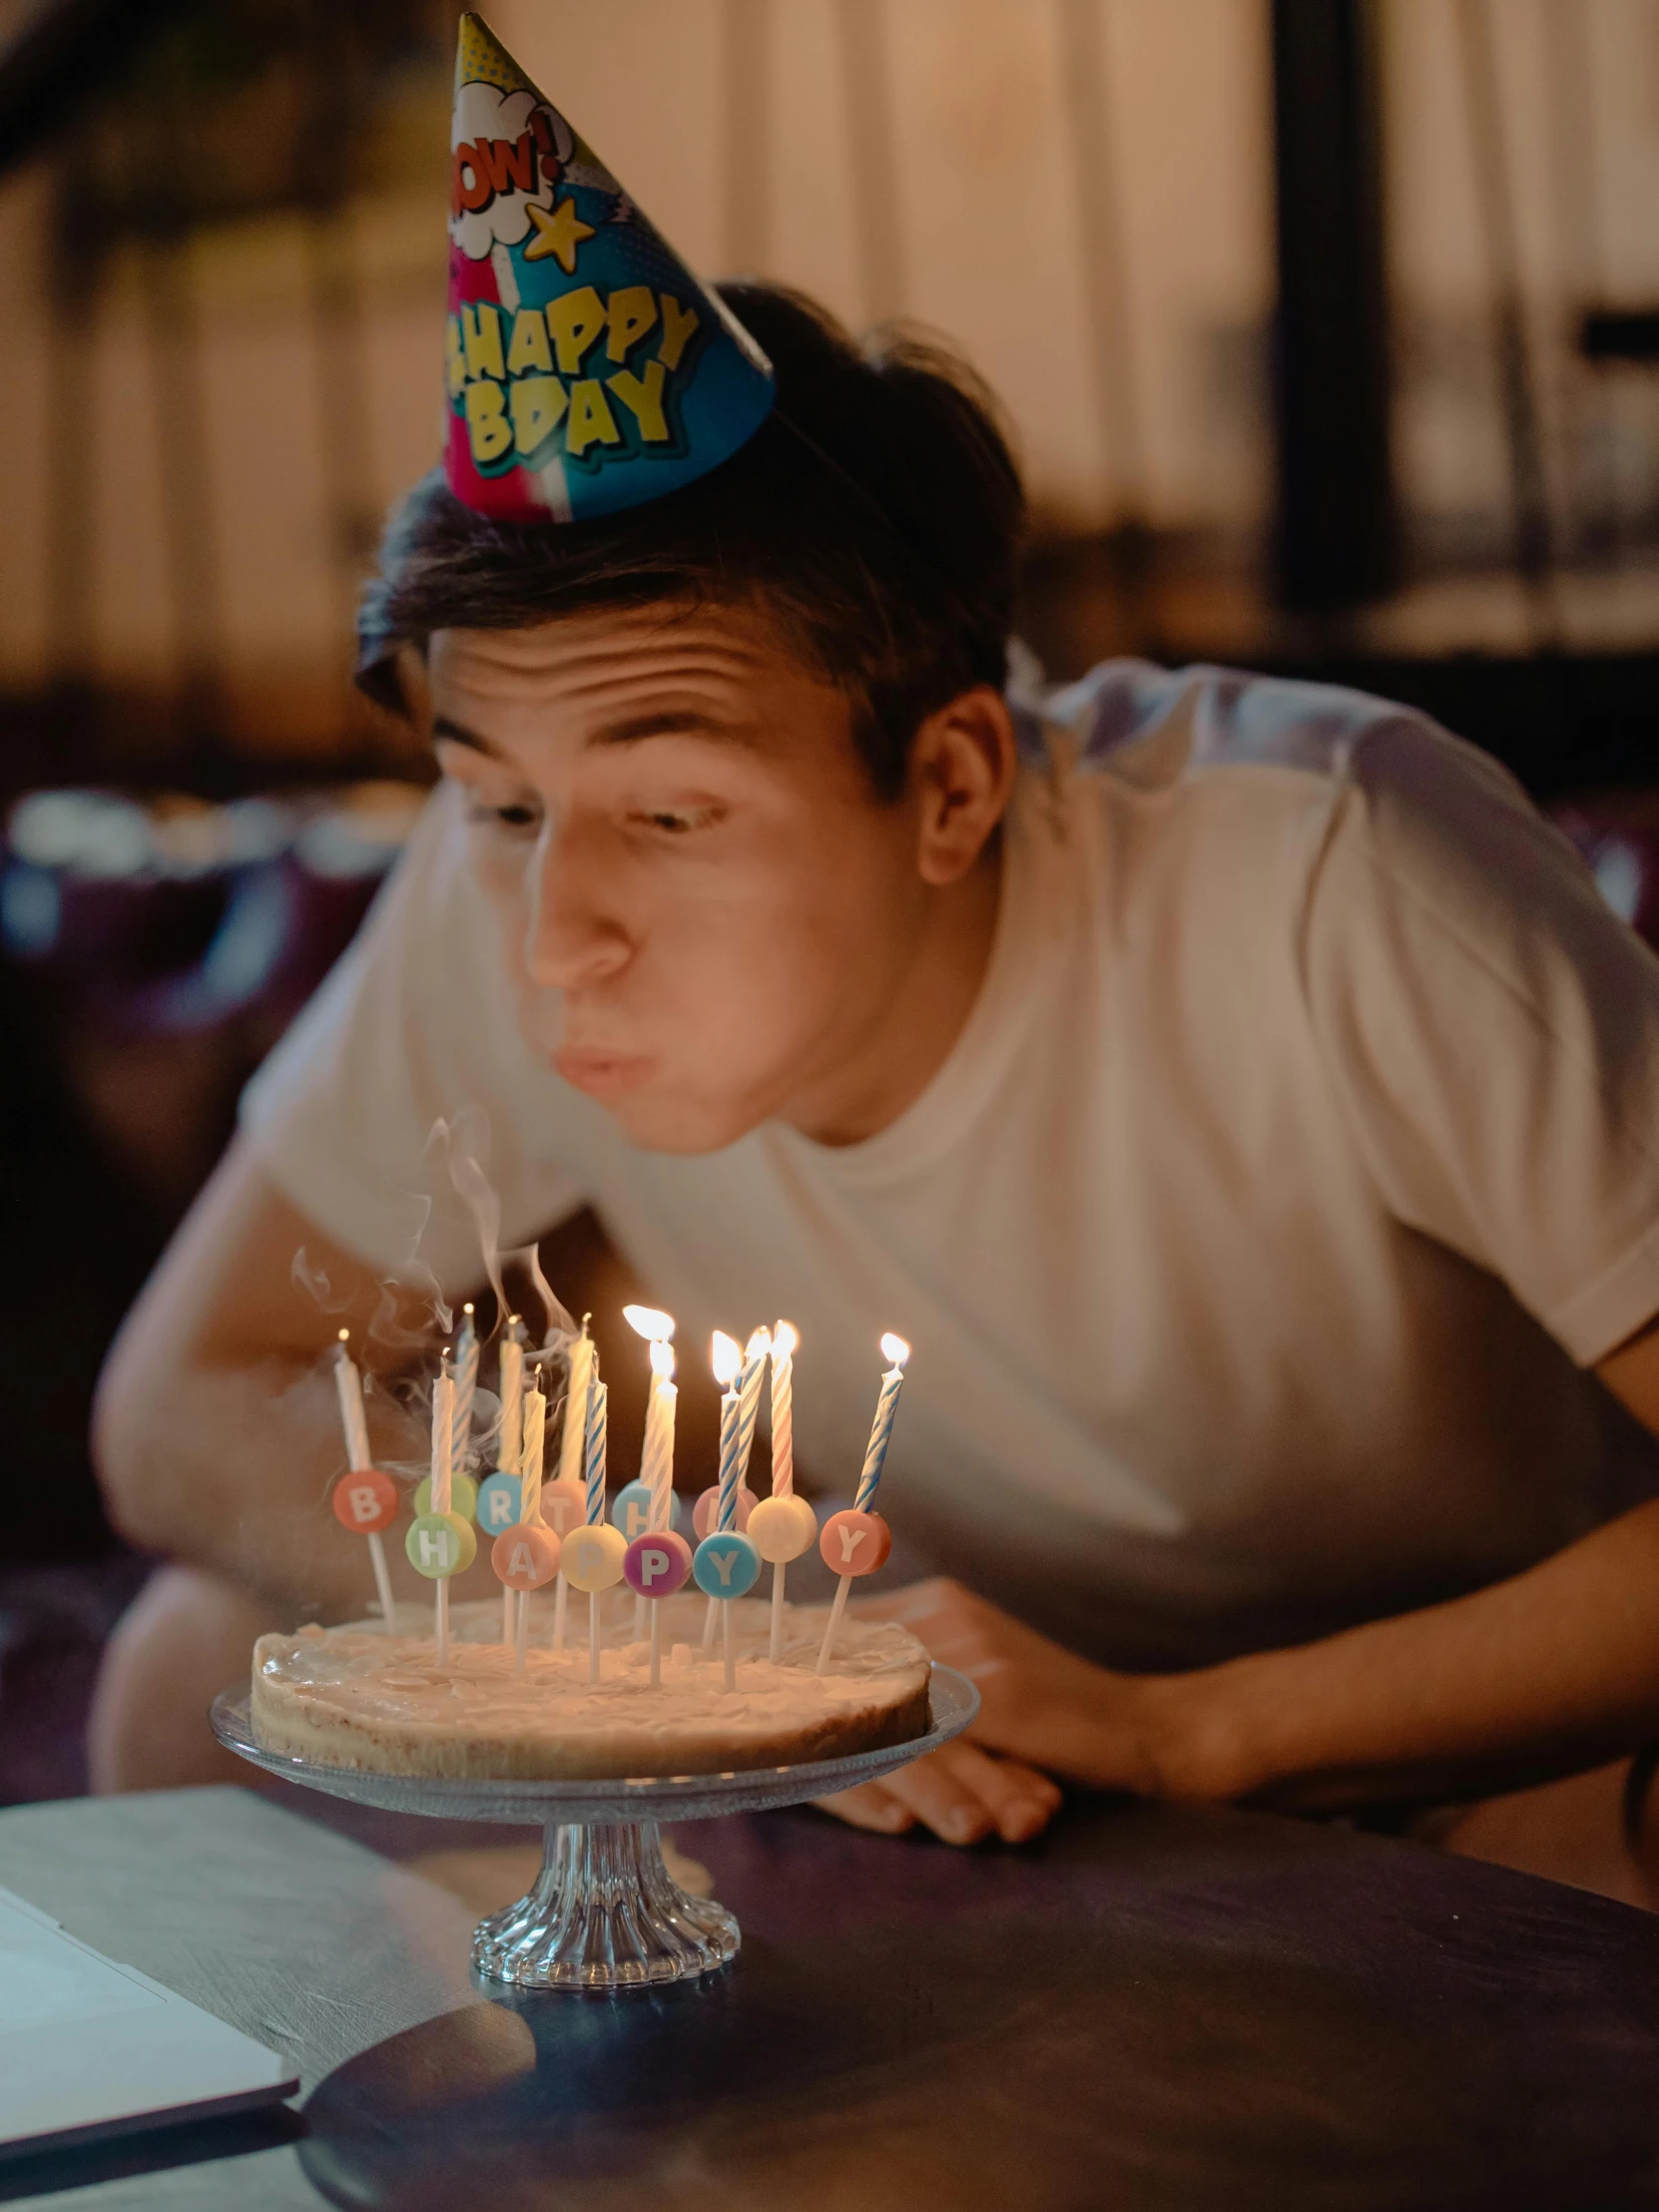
column 458, row 734
column 668, row 722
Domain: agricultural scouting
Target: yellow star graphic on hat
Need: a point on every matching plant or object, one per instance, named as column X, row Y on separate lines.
column 558, row 234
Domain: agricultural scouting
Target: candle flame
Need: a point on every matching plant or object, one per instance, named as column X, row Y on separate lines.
column 662, row 1358
column 345, row 1335
column 894, row 1348
column 725, row 1358
column 785, row 1340
column 646, row 1322
column 759, row 1344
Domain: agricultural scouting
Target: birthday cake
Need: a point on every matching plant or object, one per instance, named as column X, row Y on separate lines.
column 380, row 1702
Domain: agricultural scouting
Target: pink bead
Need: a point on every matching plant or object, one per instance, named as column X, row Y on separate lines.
column 564, row 1506
column 365, row 1502
column 525, row 1557
column 657, row 1566
column 706, row 1512
column 854, row 1542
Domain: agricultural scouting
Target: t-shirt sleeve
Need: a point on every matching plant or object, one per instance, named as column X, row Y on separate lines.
column 1493, row 1032
column 415, row 1025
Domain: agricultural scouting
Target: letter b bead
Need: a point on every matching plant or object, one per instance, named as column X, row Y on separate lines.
column 854, row 1542
column 365, row 1502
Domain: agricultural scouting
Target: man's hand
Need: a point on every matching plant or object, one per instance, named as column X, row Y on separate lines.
column 1041, row 1708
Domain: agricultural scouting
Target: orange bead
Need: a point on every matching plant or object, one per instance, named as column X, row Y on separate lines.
column 365, row 1502
column 526, row 1556
column 854, row 1542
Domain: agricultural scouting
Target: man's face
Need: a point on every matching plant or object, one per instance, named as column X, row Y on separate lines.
column 712, row 912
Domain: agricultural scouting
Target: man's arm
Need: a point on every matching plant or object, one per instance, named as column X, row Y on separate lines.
column 1546, row 1673
column 217, row 1428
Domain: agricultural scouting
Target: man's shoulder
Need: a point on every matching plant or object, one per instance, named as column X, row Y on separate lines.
column 1154, row 729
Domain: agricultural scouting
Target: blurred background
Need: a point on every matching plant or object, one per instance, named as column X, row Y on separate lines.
column 1328, row 331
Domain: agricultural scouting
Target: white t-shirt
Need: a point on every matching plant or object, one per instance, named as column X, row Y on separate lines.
column 1301, row 1149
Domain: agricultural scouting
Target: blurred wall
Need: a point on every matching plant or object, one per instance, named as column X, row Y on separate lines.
column 1075, row 191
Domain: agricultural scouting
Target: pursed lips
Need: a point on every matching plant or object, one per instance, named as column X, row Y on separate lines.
column 602, row 1074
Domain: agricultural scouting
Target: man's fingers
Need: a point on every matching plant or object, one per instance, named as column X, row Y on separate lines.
column 872, row 1805
column 963, row 1795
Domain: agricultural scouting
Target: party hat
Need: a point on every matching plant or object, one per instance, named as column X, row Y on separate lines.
column 586, row 369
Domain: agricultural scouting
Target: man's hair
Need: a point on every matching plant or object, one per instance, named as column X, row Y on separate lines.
column 875, row 515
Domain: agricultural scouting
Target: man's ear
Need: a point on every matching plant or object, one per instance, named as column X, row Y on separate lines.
column 963, row 768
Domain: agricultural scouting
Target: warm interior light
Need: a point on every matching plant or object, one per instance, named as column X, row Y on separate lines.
column 895, row 1350
column 662, row 1358
column 726, row 1359
column 759, row 1344
column 647, row 1322
column 785, row 1340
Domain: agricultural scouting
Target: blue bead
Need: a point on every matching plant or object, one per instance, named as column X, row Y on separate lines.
column 726, row 1564
column 498, row 1504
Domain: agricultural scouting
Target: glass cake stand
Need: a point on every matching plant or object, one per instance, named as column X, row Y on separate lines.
column 604, row 1912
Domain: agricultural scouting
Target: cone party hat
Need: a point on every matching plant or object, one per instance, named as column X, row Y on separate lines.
column 586, row 369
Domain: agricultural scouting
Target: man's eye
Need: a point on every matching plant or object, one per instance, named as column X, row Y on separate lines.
column 518, row 813
column 675, row 821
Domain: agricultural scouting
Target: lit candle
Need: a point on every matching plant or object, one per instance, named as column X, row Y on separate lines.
column 784, row 1342
column 657, row 1454
column 595, row 1477
column 850, row 1535
column 466, row 1378
column 725, row 1358
column 369, row 1508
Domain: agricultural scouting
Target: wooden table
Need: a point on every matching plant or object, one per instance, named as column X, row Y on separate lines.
column 1151, row 2008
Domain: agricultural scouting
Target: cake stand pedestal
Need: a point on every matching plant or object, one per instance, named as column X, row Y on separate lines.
column 605, row 1913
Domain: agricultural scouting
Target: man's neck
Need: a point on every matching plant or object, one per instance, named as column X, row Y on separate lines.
column 922, row 1022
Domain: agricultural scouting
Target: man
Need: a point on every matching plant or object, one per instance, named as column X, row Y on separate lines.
column 1236, row 1094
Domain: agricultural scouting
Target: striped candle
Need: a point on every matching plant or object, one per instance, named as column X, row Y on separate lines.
column 534, row 1440
column 466, row 1378
column 881, row 1434
column 444, row 1435
column 573, row 1439
column 784, row 1342
column 509, row 1446
column 754, row 1356
column 656, row 1461
column 595, row 1461
column 731, row 1461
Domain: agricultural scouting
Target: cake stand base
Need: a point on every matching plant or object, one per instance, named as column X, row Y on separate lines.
column 604, row 1914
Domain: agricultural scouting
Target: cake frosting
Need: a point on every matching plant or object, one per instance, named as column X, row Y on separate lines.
column 361, row 1698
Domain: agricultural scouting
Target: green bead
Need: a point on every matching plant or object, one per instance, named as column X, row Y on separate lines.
column 463, row 1496
column 440, row 1544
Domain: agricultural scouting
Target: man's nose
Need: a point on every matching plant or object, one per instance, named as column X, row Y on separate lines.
column 576, row 936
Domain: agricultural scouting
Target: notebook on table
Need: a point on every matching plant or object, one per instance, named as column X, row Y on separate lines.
column 90, row 2048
